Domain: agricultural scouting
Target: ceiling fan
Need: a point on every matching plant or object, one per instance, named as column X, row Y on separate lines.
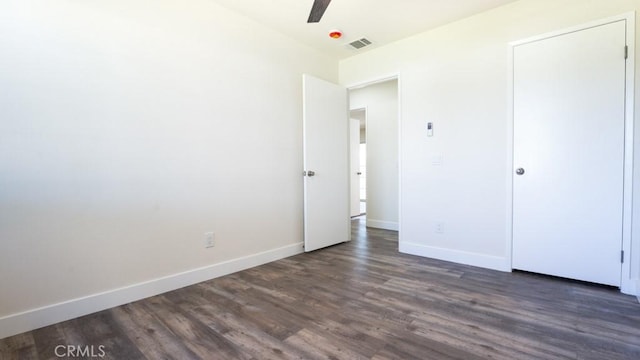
column 317, row 10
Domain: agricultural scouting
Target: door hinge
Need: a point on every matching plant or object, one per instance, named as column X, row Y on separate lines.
column 626, row 52
column 622, row 256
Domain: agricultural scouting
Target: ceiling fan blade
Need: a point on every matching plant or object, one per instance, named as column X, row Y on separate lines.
column 317, row 10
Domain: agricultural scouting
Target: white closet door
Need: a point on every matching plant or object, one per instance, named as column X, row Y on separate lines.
column 569, row 102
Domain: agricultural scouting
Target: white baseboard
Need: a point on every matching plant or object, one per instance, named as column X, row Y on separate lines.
column 630, row 286
column 381, row 224
column 36, row 318
column 460, row 257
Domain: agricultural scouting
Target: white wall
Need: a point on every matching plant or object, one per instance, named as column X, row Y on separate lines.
column 456, row 77
column 128, row 129
column 381, row 103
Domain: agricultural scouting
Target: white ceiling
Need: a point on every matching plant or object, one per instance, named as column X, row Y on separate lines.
column 381, row 21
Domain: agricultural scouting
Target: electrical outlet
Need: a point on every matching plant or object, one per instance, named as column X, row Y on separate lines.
column 439, row 228
column 436, row 160
column 208, row 239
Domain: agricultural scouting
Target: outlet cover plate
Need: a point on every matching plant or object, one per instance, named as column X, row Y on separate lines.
column 209, row 238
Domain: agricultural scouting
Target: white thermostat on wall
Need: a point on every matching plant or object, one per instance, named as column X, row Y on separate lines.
column 429, row 129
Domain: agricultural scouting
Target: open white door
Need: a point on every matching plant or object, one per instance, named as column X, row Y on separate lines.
column 354, row 136
column 326, row 164
column 569, row 125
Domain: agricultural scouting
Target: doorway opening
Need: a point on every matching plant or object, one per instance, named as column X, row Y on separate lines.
column 374, row 116
column 363, row 178
column 358, row 118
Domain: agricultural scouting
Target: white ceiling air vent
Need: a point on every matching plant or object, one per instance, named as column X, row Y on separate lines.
column 359, row 44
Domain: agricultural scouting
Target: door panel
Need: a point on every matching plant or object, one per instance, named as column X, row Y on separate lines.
column 326, row 149
column 569, row 94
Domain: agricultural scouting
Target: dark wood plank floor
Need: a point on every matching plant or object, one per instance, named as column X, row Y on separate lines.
column 359, row 300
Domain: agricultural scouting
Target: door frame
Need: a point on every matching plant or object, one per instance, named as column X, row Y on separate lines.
column 629, row 282
column 376, row 80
